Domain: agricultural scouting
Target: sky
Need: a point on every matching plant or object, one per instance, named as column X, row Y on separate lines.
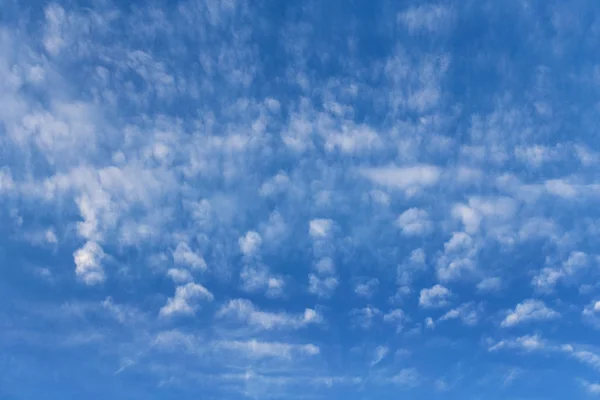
column 263, row 199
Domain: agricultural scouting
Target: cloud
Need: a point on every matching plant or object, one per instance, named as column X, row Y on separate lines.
column 435, row 297
column 591, row 388
column 526, row 343
column 244, row 311
column 406, row 377
column 365, row 317
column 490, row 284
column 183, row 255
column 549, row 277
column 186, row 299
column 468, row 313
column 250, row 243
column 320, row 228
column 379, row 354
column 458, row 259
column 527, row 311
column 414, row 222
column 255, row 349
column 427, row 18
column 180, row 275
column 411, row 179
column 366, row 288
column 396, row 317
column 88, row 263
column 322, row 287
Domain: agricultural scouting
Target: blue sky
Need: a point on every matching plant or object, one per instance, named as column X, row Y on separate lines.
column 230, row 199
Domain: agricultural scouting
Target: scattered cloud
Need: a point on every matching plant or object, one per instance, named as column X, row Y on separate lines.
column 528, row 311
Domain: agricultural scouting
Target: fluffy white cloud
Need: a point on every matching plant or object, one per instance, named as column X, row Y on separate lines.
column 180, row 275
column 183, row 255
column 244, row 311
column 468, row 313
column 250, row 243
column 459, row 257
column 366, row 288
column 529, row 310
column 435, row 297
column 414, row 222
column 320, row 228
column 88, row 263
column 409, row 179
column 364, row 317
column 490, row 284
column 186, row 300
column 379, row 354
column 322, row 287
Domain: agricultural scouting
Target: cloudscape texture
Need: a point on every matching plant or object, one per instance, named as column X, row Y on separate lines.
column 236, row 199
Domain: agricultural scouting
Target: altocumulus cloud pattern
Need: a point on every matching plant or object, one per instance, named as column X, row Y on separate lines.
column 235, row 199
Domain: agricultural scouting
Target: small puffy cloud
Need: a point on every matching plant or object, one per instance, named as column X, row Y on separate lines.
column 183, row 255
column 180, row 275
column 277, row 184
column 529, row 310
column 250, row 243
column 435, row 297
column 411, row 179
column 364, row 317
column 366, row 288
column 459, row 257
column 591, row 388
column 88, row 263
column 186, row 299
column 406, row 377
column 429, row 323
column 468, row 313
column 591, row 313
column 548, row 277
column 325, row 266
column 320, row 228
column 244, row 311
column 396, row 317
column 525, row 343
column 490, row 284
column 414, row 222
column 322, row 287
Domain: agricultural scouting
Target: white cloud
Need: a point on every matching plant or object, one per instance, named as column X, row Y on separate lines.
column 548, row 277
column 409, row 179
column 379, row 354
column 180, row 275
column 414, row 222
column 367, row 288
column 406, row 377
column 88, row 263
column 364, row 317
column 320, row 228
column 435, row 297
column 322, row 287
column 468, row 313
column 186, row 299
column 529, row 310
column 396, row 317
column 244, row 311
column 526, row 343
column 459, row 257
column 325, row 266
column 256, row 349
column 489, row 284
column 591, row 388
column 250, row 243
column 183, row 255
